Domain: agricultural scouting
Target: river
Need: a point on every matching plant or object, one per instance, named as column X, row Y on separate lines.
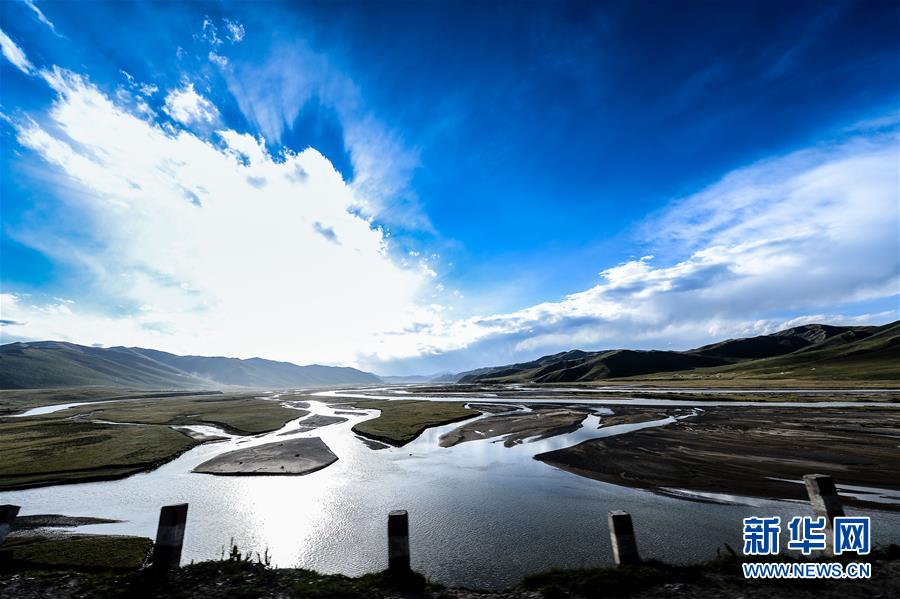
column 481, row 514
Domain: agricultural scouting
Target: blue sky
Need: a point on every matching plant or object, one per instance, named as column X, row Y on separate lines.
column 417, row 187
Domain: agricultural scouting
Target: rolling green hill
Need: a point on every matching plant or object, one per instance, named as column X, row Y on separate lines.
column 47, row 364
column 814, row 351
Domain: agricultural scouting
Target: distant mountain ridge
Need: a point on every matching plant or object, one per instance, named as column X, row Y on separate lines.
column 46, row 364
column 812, row 351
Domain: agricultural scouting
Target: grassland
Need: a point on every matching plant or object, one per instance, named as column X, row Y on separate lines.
column 68, row 446
column 239, row 414
column 13, row 401
column 37, row 453
column 401, row 421
column 82, row 552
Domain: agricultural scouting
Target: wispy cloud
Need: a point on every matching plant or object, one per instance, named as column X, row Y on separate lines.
column 217, row 59
column 41, row 16
column 14, row 54
column 272, row 92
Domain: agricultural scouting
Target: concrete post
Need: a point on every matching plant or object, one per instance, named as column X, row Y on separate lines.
column 824, row 498
column 398, row 542
column 169, row 537
column 621, row 533
column 8, row 515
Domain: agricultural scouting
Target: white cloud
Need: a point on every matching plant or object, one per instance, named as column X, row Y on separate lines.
column 794, row 235
column 14, row 54
column 41, row 16
column 217, row 59
column 207, row 246
column 186, row 106
column 234, row 31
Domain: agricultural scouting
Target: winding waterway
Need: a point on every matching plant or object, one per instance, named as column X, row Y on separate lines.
column 481, row 514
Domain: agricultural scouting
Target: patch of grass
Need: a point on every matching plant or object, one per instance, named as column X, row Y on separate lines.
column 312, row 585
column 41, row 452
column 76, row 552
column 13, row 401
column 232, row 579
column 601, row 582
column 241, row 414
column 401, row 421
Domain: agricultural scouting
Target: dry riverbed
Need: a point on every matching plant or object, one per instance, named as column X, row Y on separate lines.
column 515, row 427
column 759, row 452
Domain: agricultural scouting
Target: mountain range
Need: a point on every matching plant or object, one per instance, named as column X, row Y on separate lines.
column 814, row 351
column 44, row 364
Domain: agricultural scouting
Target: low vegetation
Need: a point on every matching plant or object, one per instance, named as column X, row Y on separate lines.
column 401, row 421
column 14, row 401
column 239, row 414
column 79, row 552
column 250, row 576
column 45, row 452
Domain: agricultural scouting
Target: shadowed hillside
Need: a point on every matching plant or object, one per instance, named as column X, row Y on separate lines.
column 46, row 364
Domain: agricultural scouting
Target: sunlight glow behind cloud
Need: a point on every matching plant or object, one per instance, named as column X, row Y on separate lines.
column 212, row 244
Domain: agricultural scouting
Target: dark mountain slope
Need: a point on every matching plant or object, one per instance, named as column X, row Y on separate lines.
column 871, row 355
column 808, row 351
column 782, row 342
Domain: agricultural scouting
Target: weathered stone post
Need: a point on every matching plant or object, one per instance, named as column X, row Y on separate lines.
column 169, row 537
column 824, row 498
column 398, row 542
column 621, row 533
column 8, row 515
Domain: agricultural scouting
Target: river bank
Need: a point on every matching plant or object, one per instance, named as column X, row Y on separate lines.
column 249, row 577
column 475, row 503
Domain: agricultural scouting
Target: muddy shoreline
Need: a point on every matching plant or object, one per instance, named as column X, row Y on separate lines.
column 746, row 452
column 515, row 427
